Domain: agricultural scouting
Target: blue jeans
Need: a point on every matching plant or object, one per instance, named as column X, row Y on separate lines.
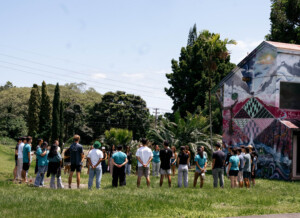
column 128, row 169
column 92, row 173
column 39, row 180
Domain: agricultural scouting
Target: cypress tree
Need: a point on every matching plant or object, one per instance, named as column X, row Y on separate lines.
column 33, row 114
column 45, row 114
column 61, row 118
column 55, row 114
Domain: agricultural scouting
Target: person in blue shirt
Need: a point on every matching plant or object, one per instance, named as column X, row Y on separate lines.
column 233, row 168
column 42, row 157
column 155, row 161
column 201, row 163
column 26, row 158
column 119, row 160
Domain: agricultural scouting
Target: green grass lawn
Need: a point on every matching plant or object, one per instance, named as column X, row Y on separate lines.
column 268, row 197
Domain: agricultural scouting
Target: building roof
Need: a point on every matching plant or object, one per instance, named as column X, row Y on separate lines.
column 285, row 46
column 279, row 46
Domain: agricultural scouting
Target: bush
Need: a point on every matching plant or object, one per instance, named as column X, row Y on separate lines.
column 7, row 141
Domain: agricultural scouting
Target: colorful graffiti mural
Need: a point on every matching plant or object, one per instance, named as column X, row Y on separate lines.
column 254, row 115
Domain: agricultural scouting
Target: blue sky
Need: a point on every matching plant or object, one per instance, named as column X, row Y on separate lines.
column 117, row 44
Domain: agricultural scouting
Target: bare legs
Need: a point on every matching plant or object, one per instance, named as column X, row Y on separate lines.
column 162, row 180
column 78, row 179
column 196, row 178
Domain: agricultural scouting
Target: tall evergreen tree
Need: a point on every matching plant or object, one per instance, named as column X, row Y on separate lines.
column 55, row 114
column 192, row 36
column 285, row 21
column 61, row 119
column 45, row 114
column 33, row 113
column 190, row 78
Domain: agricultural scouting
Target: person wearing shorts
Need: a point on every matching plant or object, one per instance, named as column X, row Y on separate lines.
column 77, row 157
column 253, row 167
column 201, row 163
column 165, row 167
column 144, row 156
column 241, row 168
column 173, row 160
column 26, row 158
column 67, row 161
column 247, row 168
column 233, row 168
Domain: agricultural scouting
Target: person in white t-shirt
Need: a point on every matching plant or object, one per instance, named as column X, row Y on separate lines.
column 144, row 156
column 20, row 158
column 95, row 157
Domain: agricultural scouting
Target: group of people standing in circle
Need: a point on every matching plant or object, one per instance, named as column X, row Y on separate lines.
column 240, row 164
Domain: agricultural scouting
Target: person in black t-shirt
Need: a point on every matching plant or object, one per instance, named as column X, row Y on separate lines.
column 218, row 166
column 183, row 159
column 165, row 166
column 16, row 159
column 77, row 157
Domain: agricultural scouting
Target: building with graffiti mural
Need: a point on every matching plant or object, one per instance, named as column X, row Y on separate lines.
column 261, row 106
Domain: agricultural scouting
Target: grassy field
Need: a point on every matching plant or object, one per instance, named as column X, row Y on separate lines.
column 268, row 197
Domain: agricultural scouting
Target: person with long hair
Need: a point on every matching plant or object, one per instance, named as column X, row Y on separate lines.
column 155, row 161
column 201, row 164
column 54, row 167
column 15, row 172
column 253, row 167
column 173, row 160
column 129, row 158
column 42, row 157
column 67, row 161
column 233, row 168
column 103, row 162
column 183, row 159
column 110, row 163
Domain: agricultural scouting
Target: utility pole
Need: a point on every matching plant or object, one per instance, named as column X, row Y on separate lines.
column 156, row 113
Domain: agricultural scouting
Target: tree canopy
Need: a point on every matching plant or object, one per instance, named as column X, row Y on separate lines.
column 190, row 78
column 285, row 21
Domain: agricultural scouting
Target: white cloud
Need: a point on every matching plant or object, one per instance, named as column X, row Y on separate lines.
column 98, row 75
column 241, row 50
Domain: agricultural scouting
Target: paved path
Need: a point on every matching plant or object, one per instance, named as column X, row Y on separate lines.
column 288, row 215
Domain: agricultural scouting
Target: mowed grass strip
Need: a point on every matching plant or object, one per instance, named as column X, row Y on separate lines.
column 268, row 197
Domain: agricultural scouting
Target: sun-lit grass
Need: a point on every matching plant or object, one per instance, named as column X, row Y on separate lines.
column 268, row 197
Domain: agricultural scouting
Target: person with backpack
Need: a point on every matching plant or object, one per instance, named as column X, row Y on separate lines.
column 54, row 167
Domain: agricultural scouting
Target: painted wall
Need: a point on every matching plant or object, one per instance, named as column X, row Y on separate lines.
column 251, row 113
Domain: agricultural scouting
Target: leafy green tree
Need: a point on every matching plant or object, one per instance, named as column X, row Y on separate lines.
column 8, row 85
column 191, row 130
column 12, row 126
column 120, row 110
column 45, row 114
column 190, row 78
column 55, row 114
column 118, row 137
column 285, row 21
column 33, row 113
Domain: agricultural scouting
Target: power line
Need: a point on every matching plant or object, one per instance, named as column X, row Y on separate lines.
column 68, row 70
column 46, row 71
column 67, row 80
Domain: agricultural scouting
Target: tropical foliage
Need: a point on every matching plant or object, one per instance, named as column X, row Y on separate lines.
column 191, row 130
column 118, row 137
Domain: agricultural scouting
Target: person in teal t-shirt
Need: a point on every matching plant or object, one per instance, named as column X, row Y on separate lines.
column 42, row 154
column 26, row 158
column 233, row 168
column 155, row 161
column 201, row 163
column 119, row 159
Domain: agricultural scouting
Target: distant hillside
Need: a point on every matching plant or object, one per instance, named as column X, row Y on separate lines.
column 15, row 100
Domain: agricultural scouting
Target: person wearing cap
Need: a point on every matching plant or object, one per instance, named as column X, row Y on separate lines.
column 218, row 160
column 119, row 160
column 42, row 157
column 201, row 163
column 95, row 158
